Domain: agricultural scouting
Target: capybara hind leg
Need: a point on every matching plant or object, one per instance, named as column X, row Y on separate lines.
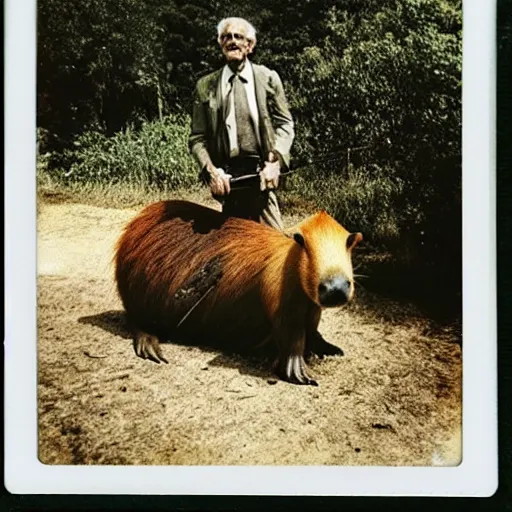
column 147, row 346
column 290, row 365
column 315, row 342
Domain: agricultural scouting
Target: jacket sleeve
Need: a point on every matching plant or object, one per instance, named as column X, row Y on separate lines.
column 281, row 119
column 197, row 139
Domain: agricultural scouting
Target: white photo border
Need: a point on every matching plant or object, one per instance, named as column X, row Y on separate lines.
column 477, row 475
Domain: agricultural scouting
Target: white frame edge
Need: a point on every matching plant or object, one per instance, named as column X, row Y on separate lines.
column 477, row 475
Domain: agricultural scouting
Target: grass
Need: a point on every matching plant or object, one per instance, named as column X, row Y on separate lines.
column 361, row 199
column 113, row 195
column 133, row 195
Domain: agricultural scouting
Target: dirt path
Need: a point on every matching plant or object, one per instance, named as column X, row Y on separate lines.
column 393, row 399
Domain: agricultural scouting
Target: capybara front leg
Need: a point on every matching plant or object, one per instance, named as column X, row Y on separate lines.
column 315, row 342
column 147, row 346
column 290, row 365
column 318, row 345
column 293, row 368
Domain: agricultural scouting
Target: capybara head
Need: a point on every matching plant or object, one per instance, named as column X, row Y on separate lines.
column 326, row 261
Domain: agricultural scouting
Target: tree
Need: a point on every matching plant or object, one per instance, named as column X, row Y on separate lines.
column 99, row 64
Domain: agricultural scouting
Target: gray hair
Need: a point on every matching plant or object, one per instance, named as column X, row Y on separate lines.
column 250, row 30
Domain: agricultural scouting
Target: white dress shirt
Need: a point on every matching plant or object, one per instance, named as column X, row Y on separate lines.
column 248, row 75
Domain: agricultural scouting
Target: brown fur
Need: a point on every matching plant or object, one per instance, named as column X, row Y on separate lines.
column 268, row 289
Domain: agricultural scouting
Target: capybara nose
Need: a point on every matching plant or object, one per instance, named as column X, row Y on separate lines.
column 334, row 291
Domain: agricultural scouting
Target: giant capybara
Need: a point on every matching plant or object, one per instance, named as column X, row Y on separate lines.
column 185, row 270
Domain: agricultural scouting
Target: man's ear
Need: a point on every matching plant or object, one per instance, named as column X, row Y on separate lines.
column 251, row 45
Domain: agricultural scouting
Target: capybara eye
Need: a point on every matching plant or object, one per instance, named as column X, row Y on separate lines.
column 299, row 239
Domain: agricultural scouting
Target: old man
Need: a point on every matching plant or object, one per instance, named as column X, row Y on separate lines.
column 241, row 125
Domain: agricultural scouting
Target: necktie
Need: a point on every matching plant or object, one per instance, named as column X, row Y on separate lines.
column 246, row 136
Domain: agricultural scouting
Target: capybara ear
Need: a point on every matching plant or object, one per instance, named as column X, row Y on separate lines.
column 353, row 239
column 297, row 236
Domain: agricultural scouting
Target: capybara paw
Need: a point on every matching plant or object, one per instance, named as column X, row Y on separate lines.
column 293, row 369
column 148, row 347
column 331, row 350
column 322, row 348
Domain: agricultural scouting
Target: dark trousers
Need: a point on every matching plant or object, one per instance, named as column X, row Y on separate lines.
column 254, row 205
column 249, row 202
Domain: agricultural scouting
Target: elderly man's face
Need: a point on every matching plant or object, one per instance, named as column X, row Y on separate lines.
column 234, row 43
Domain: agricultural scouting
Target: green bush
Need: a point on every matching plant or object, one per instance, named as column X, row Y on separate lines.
column 155, row 155
column 384, row 87
column 362, row 199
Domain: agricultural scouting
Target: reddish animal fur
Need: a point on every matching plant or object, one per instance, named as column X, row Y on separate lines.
column 268, row 290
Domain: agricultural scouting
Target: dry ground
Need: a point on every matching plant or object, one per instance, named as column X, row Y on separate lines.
column 394, row 398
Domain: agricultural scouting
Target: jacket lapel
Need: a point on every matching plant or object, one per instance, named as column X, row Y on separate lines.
column 214, row 98
column 261, row 91
column 260, row 85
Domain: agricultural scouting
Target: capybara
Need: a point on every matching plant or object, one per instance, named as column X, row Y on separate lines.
column 187, row 271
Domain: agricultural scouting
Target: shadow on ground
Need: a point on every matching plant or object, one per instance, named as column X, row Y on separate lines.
column 254, row 366
column 257, row 363
column 433, row 294
column 113, row 322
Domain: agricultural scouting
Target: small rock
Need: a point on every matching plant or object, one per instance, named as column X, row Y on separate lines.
column 382, row 426
column 272, row 381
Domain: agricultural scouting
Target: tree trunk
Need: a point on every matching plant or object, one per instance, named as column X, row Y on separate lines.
column 160, row 99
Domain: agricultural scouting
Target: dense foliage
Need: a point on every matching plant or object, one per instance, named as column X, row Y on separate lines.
column 155, row 155
column 374, row 87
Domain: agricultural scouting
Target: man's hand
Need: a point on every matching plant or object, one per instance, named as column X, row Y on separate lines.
column 219, row 181
column 269, row 176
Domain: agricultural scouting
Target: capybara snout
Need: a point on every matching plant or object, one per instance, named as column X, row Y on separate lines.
column 234, row 282
column 334, row 291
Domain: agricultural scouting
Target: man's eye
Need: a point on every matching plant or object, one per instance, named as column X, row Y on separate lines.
column 228, row 37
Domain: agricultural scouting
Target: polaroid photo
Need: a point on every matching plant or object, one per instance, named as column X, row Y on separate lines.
column 405, row 401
